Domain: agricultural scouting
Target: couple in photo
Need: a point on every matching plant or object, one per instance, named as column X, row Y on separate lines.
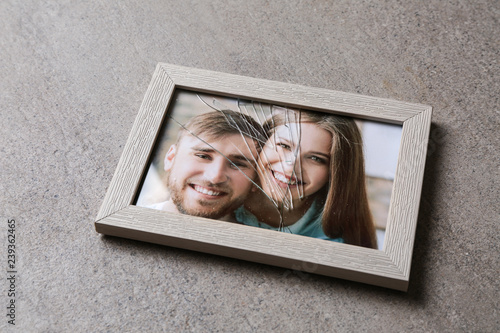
column 300, row 172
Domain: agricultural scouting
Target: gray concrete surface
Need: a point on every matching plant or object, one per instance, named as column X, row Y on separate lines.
column 73, row 77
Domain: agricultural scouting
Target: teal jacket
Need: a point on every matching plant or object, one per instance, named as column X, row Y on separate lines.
column 308, row 225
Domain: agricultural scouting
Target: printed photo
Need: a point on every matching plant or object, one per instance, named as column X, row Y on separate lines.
column 302, row 172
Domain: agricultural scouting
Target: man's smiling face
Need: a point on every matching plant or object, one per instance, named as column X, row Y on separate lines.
column 210, row 180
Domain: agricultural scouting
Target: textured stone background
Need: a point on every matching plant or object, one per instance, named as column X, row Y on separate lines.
column 73, row 77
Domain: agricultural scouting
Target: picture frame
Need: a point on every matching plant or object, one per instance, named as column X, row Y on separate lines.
column 388, row 267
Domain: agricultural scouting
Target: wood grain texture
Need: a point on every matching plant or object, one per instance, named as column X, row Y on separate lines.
column 147, row 124
column 318, row 99
column 253, row 244
column 388, row 268
column 405, row 200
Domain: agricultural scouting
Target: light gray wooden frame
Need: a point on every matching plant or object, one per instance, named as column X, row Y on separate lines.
column 389, row 267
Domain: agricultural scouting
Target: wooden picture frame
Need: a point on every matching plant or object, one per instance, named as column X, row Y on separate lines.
column 389, row 267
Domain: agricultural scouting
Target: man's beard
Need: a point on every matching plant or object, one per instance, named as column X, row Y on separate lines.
column 218, row 210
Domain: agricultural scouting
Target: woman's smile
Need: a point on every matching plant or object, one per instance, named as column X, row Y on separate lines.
column 286, row 180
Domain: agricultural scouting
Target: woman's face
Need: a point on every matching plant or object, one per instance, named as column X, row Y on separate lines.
column 295, row 162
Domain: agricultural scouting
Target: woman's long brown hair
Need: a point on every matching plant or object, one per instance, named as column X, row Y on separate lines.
column 346, row 213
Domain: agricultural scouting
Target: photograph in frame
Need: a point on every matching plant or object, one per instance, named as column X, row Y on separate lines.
column 279, row 174
column 388, row 265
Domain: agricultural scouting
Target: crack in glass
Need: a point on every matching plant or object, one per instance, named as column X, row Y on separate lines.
column 280, row 197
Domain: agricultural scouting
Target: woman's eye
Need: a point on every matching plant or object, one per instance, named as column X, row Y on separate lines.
column 284, row 146
column 318, row 159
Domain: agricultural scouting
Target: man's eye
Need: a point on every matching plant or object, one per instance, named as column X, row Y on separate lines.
column 203, row 156
column 238, row 165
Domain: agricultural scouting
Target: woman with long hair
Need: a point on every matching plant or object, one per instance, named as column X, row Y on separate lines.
column 312, row 179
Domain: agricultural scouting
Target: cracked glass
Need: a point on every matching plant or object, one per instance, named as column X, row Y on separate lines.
column 270, row 166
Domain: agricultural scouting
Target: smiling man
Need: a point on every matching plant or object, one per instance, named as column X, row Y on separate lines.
column 212, row 166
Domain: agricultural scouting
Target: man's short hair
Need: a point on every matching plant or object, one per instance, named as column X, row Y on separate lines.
column 219, row 124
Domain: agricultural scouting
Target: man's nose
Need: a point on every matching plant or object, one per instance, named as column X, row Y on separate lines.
column 216, row 172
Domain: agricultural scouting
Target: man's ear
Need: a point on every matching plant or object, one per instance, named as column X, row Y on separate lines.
column 169, row 157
